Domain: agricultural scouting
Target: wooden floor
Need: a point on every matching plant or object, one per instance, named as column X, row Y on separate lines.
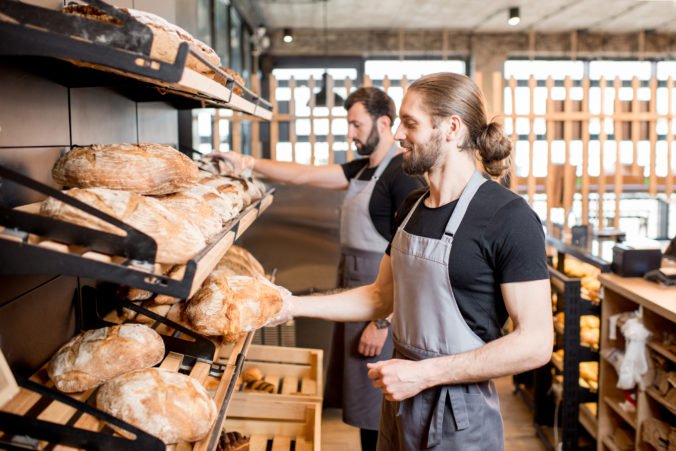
column 519, row 431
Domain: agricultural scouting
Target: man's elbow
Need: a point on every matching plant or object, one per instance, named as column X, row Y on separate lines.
column 541, row 350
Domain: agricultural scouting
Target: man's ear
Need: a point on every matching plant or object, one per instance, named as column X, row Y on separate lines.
column 454, row 127
column 384, row 124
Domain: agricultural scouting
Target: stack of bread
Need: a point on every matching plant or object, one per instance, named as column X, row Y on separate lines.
column 589, row 329
column 171, row 406
column 153, row 188
column 166, row 40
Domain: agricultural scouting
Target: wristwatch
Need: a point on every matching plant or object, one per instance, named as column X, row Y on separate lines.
column 382, row 323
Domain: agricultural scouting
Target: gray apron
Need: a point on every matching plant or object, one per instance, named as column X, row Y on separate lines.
column 428, row 323
column 362, row 248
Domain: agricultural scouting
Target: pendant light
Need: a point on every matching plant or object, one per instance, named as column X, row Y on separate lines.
column 321, row 96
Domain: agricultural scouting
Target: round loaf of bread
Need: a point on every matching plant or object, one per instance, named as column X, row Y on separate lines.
column 171, row 406
column 95, row 356
column 140, row 168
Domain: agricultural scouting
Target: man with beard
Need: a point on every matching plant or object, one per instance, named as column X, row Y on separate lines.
column 467, row 254
column 376, row 187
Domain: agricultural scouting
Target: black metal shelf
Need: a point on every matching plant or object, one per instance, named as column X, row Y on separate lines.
column 581, row 254
column 103, row 54
column 24, row 254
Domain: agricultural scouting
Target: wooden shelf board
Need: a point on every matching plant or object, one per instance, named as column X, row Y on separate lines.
column 654, row 394
column 629, row 418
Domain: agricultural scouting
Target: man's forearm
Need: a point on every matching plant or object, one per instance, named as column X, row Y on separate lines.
column 512, row 354
column 359, row 304
column 280, row 171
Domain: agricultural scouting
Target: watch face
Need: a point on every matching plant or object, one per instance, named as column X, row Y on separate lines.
column 382, row 323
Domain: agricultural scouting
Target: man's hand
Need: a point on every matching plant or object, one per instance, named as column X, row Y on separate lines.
column 286, row 312
column 397, row 379
column 372, row 340
column 240, row 163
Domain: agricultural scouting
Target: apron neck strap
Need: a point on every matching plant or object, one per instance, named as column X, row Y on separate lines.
column 463, row 203
column 386, row 161
column 410, row 212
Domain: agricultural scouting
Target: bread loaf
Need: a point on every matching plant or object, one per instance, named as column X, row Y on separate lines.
column 178, row 240
column 232, row 441
column 238, row 262
column 193, row 208
column 252, row 374
column 229, row 307
column 93, row 357
column 227, row 188
column 144, row 168
column 171, row 406
column 166, row 36
column 227, row 205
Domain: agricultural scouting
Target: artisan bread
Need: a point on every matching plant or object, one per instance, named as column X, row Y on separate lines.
column 227, row 188
column 231, row 306
column 151, row 169
column 193, row 208
column 238, row 262
column 178, row 240
column 166, row 36
column 94, row 356
column 227, row 205
column 169, row 405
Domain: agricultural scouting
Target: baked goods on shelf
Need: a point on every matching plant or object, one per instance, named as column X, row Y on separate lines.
column 589, row 329
column 231, row 306
column 178, row 240
column 166, row 36
column 152, row 169
column 169, row 405
column 199, row 212
column 95, row 356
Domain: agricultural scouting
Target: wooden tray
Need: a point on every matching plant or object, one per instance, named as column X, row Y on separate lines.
column 294, row 425
column 296, row 373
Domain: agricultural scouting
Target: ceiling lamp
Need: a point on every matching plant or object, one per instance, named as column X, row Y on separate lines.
column 288, row 36
column 514, row 16
column 321, row 97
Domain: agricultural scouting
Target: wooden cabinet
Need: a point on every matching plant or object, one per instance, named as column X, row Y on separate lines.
column 617, row 428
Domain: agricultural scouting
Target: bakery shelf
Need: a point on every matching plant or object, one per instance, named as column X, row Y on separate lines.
column 654, row 394
column 580, row 253
column 32, row 244
column 588, row 420
column 629, row 418
column 662, row 350
column 43, row 38
column 50, row 417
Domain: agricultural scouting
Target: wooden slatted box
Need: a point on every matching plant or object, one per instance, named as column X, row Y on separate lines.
column 281, row 426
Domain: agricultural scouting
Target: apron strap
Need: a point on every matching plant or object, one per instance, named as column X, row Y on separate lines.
column 386, row 161
column 458, row 407
column 466, row 197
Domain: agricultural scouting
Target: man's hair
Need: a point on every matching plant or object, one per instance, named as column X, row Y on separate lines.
column 447, row 94
column 376, row 102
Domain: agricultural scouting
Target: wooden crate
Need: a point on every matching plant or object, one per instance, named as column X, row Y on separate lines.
column 296, row 373
column 283, row 425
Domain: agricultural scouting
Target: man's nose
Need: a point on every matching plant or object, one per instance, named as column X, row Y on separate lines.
column 399, row 135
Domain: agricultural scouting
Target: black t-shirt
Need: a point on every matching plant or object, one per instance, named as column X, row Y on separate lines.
column 390, row 191
column 500, row 240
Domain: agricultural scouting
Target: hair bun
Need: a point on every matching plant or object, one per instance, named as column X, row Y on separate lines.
column 494, row 148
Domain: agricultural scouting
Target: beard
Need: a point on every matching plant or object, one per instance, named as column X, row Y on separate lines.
column 421, row 158
column 367, row 148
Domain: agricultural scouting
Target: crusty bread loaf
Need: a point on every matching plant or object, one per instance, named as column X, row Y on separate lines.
column 227, row 188
column 235, row 88
column 178, row 240
column 93, row 357
column 171, row 406
column 193, row 208
column 166, row 36
column 227, row 205
column 238, row 262
column 232, row 441
column 141, row 168
column 229, row 307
